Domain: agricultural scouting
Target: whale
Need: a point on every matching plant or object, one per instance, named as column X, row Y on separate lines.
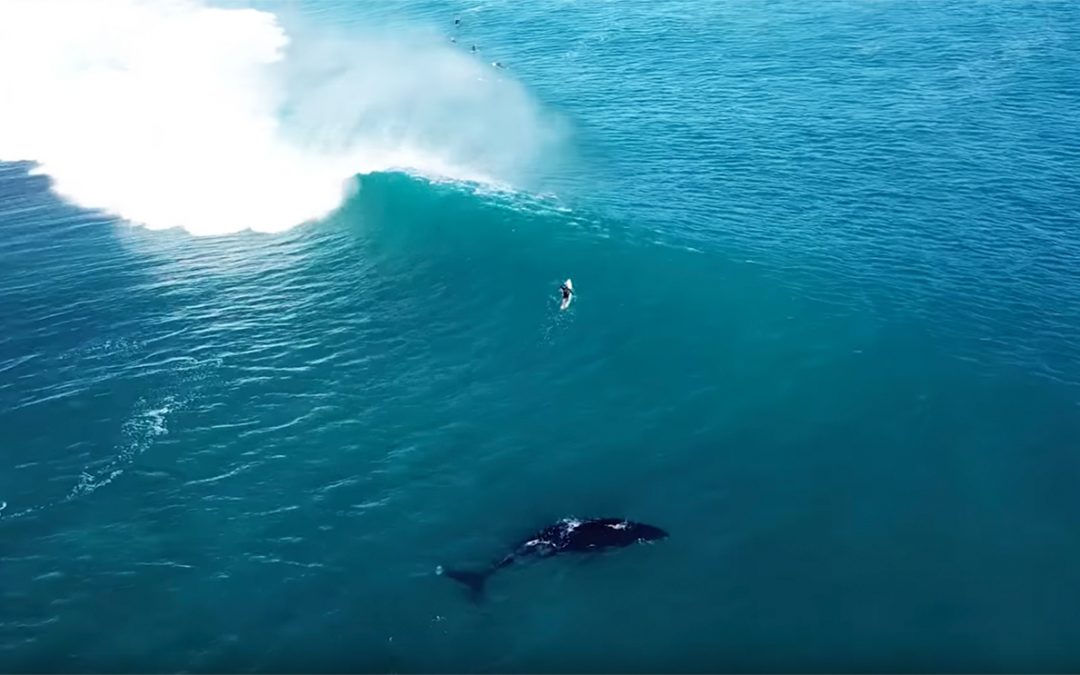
column 569, row 535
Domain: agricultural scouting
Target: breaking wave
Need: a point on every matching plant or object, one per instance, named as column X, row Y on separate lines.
column 174, row 113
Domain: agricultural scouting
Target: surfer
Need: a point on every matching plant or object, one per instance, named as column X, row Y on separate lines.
column 567, row 290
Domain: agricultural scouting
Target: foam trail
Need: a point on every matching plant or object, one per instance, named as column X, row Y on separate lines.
column 172, row 113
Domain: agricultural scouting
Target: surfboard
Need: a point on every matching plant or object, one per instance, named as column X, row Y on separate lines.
column 566, row 302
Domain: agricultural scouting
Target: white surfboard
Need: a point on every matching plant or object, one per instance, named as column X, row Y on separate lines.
column 566, row 302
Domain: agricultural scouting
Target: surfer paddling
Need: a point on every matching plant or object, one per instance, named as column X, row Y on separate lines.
column 567, row 290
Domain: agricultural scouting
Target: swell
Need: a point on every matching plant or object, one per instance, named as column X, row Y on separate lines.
column 344, row 401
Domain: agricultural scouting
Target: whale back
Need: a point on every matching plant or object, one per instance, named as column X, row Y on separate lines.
column 567, row 535
column 605, row 533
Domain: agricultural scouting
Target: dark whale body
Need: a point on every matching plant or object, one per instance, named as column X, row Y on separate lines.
column 567, row 535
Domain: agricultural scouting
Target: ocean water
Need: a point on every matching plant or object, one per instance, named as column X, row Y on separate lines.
column 827, row 334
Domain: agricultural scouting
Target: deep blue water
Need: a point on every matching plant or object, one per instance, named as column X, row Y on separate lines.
column 827, row 335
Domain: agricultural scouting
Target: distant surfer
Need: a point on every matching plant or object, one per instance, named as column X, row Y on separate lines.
column 498, row 64
column 567, row 290
column 473, row 50
column 457, row 22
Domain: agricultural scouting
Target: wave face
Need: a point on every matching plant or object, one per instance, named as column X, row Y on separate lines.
column 172, row 113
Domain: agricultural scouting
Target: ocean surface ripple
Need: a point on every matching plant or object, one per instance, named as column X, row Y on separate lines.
column 827, row 334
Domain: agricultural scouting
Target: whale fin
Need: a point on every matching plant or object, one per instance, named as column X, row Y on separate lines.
column 473, row 579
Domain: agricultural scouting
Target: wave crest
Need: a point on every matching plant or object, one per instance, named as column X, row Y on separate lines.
column 172, row 113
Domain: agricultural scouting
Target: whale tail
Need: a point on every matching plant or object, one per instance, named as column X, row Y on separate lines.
column 472, row 579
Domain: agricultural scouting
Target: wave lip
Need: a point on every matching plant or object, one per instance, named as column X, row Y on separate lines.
column 173, row 113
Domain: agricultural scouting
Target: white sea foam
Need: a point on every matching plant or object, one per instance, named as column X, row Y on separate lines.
column 173, row 113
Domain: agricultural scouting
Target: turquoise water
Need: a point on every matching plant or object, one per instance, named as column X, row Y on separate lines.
column 827, row 335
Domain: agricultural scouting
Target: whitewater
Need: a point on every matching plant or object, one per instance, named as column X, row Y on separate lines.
column 174, row 113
